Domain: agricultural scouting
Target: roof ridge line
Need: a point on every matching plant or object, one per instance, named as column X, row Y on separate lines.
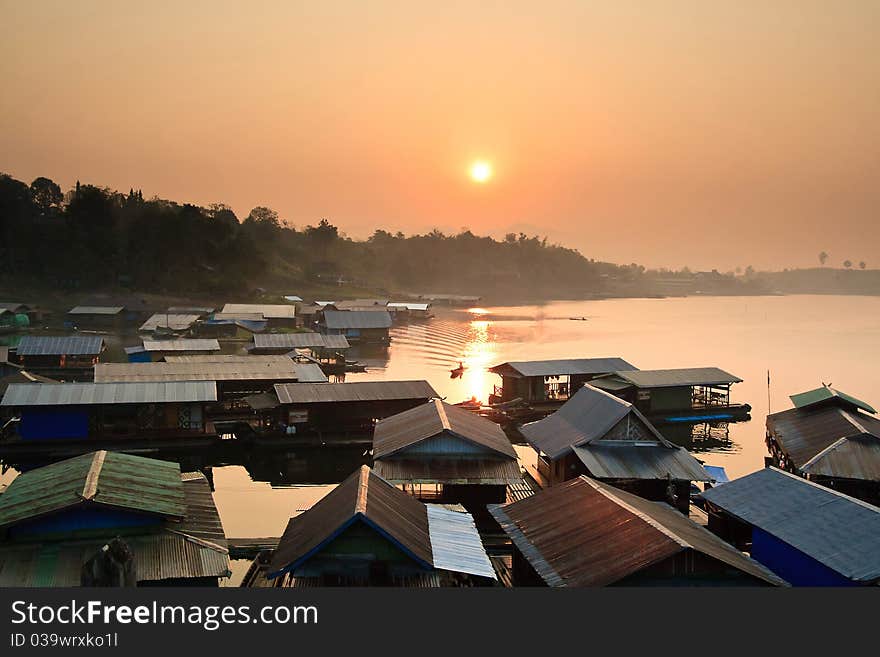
column 822, row 488
column 821, row 454
column 90, row 488
column 199, row 541
column 853, row 421
column 640, row 514
column 441, row 411
column 360, row 504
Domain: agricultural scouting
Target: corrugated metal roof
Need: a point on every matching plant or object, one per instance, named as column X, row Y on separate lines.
column 194, row 547
column 560, row 367
column 299, row 341
column 306, row 393
column 837, row 530
column 395, row 434
column 243, row 317
column 410, row 306
column 585, row 533
column 827, row 394
column 829, row 440
column 293, row 298
column 718, row 474
column 191, row 310
column 616, row 459
column 588, row 416
column 107, row 479
column 455, row 543
column 189, row 344
column 363, row 496
column 96, row 310
column 75, row 394
column 267, row 310
column 211, row 371
column 167, row 320
column 477, row 471
column 70, row 345
column 357, row 319
column 225, row 358
column 687, row 376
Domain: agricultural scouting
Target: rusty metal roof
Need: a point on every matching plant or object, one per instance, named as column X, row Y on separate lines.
column 308, row 393
column 76, row 394
column 829, row 441
column 585, row 533
column 256, row 370
column 72, row 345
column 168, row 320
column 194, row 547
column 299, row 341
column 687, row 376
column 617, row 459
column 105, row 479
column 397, row 433
column 835, row 529
column 588, row 416
column 357, row 319
column 267, row 310
column 365, row 497
column 480, row 471
column 561, row 367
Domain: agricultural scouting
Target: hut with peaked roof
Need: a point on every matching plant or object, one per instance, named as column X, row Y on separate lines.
column 587, row 533
column 367, row 532
column 55, row 519
column 276, row 315
column 831, row 438
column 689, row 394
column 598, row 434
column 444, row 453
column 97, row 317
column 808, row 534
column 64, row 357
column 538, row 381
column 151, row 351
column 361, row 326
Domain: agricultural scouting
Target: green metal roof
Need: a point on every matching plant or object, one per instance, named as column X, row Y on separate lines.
column 107, row 479
column 824, row 394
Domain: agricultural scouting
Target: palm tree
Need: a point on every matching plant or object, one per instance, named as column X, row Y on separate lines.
column 847, row 263
column 823, row 257
column 862, row 265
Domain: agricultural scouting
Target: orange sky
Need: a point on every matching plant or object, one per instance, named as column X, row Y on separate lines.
column 668, row 133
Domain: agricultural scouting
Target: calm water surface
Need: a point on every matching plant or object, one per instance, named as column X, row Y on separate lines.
column 802, row 340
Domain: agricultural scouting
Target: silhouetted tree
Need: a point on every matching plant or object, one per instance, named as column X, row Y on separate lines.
column 46, row 194
column 862, row 264
column 823, row 258
column 847, row 263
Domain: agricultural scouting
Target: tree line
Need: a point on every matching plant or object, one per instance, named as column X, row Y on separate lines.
column 94, row 237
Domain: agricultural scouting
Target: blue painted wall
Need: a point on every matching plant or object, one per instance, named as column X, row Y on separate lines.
column 791, row 564
column 140, row 357
column 40, row 423
column 81, row 519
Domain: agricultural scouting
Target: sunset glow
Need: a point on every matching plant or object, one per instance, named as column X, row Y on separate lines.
column 481, row 171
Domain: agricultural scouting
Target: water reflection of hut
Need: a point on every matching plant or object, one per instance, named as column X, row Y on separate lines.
column 691, row 394
column 829, row 437
column 808, row 534
column 56, row 518
column 586, row 533
column 598, row 434
column 536, row 381
column 366, row 532
column 441, row 452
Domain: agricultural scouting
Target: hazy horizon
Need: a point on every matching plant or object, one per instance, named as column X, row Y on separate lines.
column 664, row 133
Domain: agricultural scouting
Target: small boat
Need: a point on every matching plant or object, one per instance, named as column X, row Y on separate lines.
column 457, row 372
column 578, row 319
column 471, row 404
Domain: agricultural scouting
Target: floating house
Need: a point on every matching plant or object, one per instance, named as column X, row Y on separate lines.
column 156, row 350
column 586, row 533
column 406, row 311
column 230, row 327
column 441, row 452
column 366, row 532
column 361, row 304
column 110, row 411
column 679, row 395
column 169, row 323
column 97, row 317
column 831, row 438
column 807, row 534
column 62, row 357
column 539, row 381
column 361, row 326
column 598, row 434
column 202, row 311
column 346, row 408
column 283, row 343
column 235, row 379
column 276, row 315
column 59, row 523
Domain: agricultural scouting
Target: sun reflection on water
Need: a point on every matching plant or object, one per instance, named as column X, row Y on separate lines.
column 479, row 353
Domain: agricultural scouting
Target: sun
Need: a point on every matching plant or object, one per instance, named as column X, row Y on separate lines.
column 481, row 171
